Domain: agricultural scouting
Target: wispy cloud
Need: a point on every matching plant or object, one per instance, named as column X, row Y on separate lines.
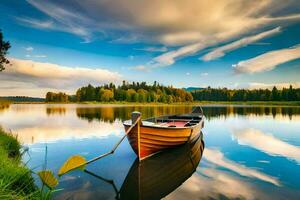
column 221, row 51
column 140, row 68
column 40, row 56
column 154, row 49
column 29, row 48
column 188, row 26
column 35, row 77
column 61, row 20
column 46, row 24
column 204, row 74
column 35, row 56
column 170, row 57
column 174, row 23
column 267, row 61
column 217, row 157
column 267, row 143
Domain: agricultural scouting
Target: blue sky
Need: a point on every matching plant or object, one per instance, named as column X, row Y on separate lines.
column 63, row 45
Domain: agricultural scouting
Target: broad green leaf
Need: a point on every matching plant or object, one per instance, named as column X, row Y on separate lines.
column 48, row 178
column 72, row 163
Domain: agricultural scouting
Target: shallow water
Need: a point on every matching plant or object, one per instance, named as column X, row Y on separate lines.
column 250, row 152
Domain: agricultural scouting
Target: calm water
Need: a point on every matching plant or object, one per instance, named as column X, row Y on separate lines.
column 250, row 152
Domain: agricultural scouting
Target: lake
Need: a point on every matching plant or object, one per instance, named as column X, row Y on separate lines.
column 250, row 152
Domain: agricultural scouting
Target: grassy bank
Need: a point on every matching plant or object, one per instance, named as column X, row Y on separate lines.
column 16, row 181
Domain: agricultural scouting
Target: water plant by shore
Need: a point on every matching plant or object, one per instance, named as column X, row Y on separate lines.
column 16, row 180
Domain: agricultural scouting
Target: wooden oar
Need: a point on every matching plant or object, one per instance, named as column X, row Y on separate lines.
column 78, row 161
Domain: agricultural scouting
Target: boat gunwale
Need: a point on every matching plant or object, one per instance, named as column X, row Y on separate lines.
column 164, row 127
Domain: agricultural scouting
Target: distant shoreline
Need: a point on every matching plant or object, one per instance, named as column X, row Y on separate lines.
column 203, row 103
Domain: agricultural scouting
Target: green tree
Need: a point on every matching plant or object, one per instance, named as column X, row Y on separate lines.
column 107, row 95
column 275, row 94
column 4, row 46
column 142, row 95
column 130, row 93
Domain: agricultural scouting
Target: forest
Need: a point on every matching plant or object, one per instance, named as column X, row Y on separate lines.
column 128, row 92
column 141, row 92
column 224, row 94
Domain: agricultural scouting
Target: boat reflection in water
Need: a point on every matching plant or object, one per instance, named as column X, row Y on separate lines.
column 159, row 175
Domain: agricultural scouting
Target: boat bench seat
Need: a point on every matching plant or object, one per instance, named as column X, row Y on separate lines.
column 174, row 124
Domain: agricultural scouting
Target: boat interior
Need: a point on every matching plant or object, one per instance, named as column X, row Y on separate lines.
column 176, row 120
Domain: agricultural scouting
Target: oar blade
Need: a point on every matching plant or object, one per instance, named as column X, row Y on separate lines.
column 74, row 162
column 48, row 178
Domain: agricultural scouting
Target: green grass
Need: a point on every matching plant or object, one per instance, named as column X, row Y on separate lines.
column 16, row 181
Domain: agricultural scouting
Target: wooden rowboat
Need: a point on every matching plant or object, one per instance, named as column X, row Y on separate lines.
column 153, row 135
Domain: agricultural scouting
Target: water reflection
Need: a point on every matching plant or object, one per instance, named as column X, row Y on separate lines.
column 224, row 111
column 3, row 106
column 56, row 110
column 216, row 157
column 111, row 113
column 267, row 143
column 159, row 175
column 251, row 152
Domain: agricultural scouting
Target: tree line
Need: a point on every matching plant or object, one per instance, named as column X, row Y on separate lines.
column 224, row 94
column 128, row 92
column 141, row 92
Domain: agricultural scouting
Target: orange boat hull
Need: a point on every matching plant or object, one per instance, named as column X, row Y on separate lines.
column 146, row 141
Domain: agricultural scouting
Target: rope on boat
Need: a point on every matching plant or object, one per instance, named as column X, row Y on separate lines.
column 78, row 161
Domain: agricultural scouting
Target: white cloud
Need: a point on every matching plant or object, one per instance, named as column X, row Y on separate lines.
column 140, row 68
column 267, row 61
column 189, row 25
column 221, row 51
column 167, row 22
column 29, row 48
column 154, row 49
column 47, row 24
column 61, row 19
column 204, row 74
column 40, row 56
column 170, row 57
column 36, row 56
column 37, row 77
column 267, row 143
column 218, row 158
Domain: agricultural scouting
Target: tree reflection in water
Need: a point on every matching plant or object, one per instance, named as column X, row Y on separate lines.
column 112, row 113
